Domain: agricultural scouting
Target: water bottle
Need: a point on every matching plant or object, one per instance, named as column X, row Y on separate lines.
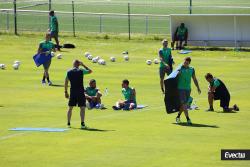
column 106, row 92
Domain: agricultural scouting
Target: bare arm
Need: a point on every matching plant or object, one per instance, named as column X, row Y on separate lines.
column 196, row 83
column 133, row 94
column 99, row 93
column 87, row 96
column 212, row 88
column 66, row 87
column 39, row 50
column 90, row 71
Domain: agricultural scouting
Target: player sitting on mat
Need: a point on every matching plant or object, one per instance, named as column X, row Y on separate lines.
column 130, row 98
column 218, row 91
column 93, row 96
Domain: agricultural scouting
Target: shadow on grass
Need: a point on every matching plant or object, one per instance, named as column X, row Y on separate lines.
column 197, row 125
column 1, row 106
column 224, row 112
column 94, row 129
column 56, row 85
column 63, row 50
column 216, row 49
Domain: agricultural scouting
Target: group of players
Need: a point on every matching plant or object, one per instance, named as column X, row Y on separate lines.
column 78, row 95
column 216, row 90
column 91, row 96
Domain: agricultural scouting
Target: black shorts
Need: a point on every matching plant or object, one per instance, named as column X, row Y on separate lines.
column 224, row 99
column 77, row 98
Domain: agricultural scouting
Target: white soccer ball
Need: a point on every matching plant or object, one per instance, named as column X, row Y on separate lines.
column 52, row 54
column 126, row 58
column 94, row 60
column 112, row 59
column 149, row 62
column 125, row 52
column 103, row 62
column 59, row 56
column 97, row 58
column 2, row 66
column 17, row 62
column 90, row 57
column 15, row 66
column 156, row 61
column 99, row 61
column 86, row 54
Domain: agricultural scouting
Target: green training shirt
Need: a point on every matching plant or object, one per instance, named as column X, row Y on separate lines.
column 128, row 93
column 184, row 78
column 181, row 31
column 91, row 91
column 53, row 24
column 46, row 45
column 165, row 54
column 215, row 83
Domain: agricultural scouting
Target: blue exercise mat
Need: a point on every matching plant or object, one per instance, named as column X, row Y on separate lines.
column 40, row 129
column 141, row 106
column 185, row 51
column 41, row 58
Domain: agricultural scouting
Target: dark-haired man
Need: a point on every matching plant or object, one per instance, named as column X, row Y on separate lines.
column 93, row 96
column 54, row 28
column 186, row 73
column 217, row 90
column 130, row 98
column 77, row 96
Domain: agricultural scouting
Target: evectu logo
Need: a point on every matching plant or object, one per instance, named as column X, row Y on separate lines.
column 235, row 154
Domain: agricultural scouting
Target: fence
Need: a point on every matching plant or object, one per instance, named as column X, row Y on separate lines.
column 107, row 17
column 34, row 20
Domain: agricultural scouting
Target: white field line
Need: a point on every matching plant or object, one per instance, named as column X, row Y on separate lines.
column 11, row 136
column 95, row 118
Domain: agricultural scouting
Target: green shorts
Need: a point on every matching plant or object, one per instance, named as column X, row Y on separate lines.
column 184, row 96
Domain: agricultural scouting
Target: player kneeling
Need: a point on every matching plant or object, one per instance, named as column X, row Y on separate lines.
column 93, row 96
column 218, row 91
column 130, row 98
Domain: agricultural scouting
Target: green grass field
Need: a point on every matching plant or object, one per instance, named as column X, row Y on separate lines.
column 112, row 23
column 143, row 138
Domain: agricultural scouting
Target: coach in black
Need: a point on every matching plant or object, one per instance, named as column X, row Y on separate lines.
column 218, row 91
column 77, row 97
